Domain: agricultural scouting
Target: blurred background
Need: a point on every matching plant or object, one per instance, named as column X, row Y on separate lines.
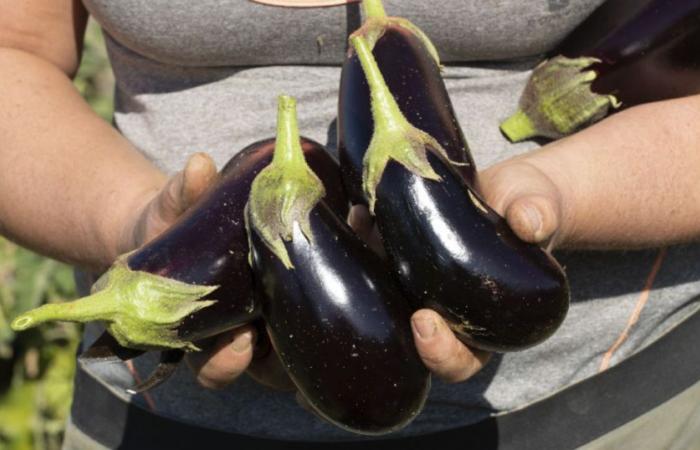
column 36, row 366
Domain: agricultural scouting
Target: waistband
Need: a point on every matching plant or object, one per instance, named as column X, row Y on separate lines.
column 568, row 419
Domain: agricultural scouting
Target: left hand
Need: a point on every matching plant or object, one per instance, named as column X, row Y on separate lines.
column 231, row 353
column 529, row 200
column 442, row 353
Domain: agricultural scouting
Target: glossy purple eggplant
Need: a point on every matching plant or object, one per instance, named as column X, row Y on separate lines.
column 625, row 54
column 418, row 88
column 450, row 250
column 213, row 234
column 196, row 273
column 334, row 314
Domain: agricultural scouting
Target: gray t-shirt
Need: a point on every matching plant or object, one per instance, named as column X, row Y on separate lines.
column 204, row 76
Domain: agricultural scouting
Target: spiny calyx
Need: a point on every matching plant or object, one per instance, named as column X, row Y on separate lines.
column 376, row 22
column 394, row 137
column 140, row 310
column 558, row 100
column 286, row 191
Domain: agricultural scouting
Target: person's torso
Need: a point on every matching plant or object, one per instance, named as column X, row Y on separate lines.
column 204, row 76
column 242, row 33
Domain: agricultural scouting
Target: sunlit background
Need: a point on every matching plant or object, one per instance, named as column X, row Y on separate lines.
column 36, row 366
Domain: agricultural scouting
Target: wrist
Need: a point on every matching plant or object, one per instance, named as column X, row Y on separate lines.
column 122, row 216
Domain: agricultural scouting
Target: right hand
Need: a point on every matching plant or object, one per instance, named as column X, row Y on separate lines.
column 442, row 353
column 226, row 356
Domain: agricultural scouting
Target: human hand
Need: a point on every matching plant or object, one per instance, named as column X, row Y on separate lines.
column 522, row 191
column 159, row 209
column 442, row 353
column 224, row 357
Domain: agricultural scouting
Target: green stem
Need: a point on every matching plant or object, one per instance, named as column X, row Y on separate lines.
column 394, row 137
column 97, row 306
column 140, row 310
column 385, row 111
column 286, row 191
column 288, row 149
column 558, row 100
column 518, row 127
column 373, row 8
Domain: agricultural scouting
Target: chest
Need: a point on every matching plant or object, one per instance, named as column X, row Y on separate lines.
column 240, row 32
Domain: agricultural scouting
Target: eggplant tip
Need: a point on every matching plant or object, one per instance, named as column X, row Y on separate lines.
column 518, row 127
column 22, row 323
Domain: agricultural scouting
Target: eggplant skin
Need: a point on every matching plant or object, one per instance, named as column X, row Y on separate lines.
column 341, row 327
column 414, row 78
column 457, row 256
column 648, row 49
column 208, row 245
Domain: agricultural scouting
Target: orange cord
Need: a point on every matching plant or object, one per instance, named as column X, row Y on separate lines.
column 634, row 317
column 137, row 378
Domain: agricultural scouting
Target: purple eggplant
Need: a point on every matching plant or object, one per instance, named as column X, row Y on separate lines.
column 334, row 314
column 450, row 250
column 400, row 44
column 192, row 281
column 625, row 54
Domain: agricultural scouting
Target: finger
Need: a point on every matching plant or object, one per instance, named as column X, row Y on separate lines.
column 362, row 222
column 442, row 353
column 185, row 187
column 526, row 197
column 227, row 359
column 534, row 219
column 200, row 173
column 266, row 367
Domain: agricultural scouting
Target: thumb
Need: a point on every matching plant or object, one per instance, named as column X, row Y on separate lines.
column 178, row 194
column 526, row 197
column 184, row 188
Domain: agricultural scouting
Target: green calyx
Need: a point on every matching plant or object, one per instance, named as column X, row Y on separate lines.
column 394, row 137
column 285, row 191
column 376, row 23
column 558, row 101
column 141, row 310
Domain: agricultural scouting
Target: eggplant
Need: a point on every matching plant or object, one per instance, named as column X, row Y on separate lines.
column 450, row 250
column 191, row 282
column 625, row 54
column 417, row 87
column 334, row 314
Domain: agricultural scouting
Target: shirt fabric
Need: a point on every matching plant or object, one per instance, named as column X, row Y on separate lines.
column 205, row 75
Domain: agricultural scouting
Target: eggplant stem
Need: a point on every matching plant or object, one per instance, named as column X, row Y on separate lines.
column 394, row 137
column 284, row 192
column 376, row 22
column 288, row 142
column 373, row 9
column 87, row 309
column 140, row 310
column 558, row 100
column 518, row 127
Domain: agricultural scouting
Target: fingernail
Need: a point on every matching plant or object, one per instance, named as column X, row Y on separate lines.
column 425, row 327
column 534, row 219
column 243, row 342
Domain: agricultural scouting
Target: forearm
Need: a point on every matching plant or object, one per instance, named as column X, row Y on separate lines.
column 631, row 180
column 69, row 179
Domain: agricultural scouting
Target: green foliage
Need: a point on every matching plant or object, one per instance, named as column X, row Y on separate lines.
column 95, row 80
column 37, row 366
